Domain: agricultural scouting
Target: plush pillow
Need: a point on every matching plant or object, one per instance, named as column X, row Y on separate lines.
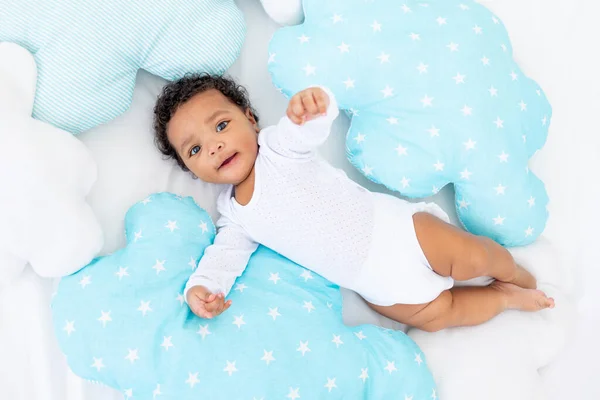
column 88, row 52
column 45, row 175
column 122, row 321
column 435, row 98
column 284, row 12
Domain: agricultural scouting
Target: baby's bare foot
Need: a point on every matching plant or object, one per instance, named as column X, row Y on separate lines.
column 518, row 298
column 524, row 279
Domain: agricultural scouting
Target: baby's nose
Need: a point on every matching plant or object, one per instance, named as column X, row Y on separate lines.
column 216, row 148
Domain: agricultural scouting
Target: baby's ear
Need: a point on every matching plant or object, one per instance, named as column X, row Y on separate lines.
column 252, row 119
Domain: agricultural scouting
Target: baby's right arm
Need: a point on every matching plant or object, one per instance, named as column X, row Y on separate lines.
column 223, row 261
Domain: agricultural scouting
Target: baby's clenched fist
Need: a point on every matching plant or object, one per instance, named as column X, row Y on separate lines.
column 307, row 104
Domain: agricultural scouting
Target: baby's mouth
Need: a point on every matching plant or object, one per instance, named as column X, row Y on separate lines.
column 227, row 161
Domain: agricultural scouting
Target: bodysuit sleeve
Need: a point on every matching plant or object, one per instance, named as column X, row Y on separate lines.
column 300, row 141
column 225, row 260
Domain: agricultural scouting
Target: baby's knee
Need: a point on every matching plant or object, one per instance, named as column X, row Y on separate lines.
column 440, row 314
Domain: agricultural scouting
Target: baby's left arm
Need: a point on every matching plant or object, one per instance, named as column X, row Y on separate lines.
column 307, row 125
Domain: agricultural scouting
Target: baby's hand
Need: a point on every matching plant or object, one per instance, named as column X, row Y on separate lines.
column 205, row 304
column 307, row 104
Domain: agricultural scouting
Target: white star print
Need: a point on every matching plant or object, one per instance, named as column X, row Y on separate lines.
column 405, row 8
column 128, row 393
column 240, row 287
column 405, row 182
column 203, row 331
column 499, row 220
column 367, row 170
column 493, row 91
column 418, row 359
column 132, row 355
column 529, row 231
column 407, row 397
column 159, row 266
column 274, row 277
column 203, row 226
column 268, row 357
column 337, row 340
column 539, row 92
column 392, row 120
column 144, row 307
column 453, row 46
column 478, row 30
column 464, row 7
column 433, row 395
column 329, row 305
column 303, row 347
column 435, row 189
column 441, row 21
column 466, row 110
column 427, row 101
column 86, row 280
column 344, row 48
column 485, row 60
column 293, row 394
column 504, row 47
column 171, row 225
column 156, row 392
column 402, row 151
column 330, row 384
column 273, row 312
column 98, row 364
column 360, row 138
column 544, row 120
column 360, row 335
column 309, row 306
column 230, row 368
column 376, row 26
column 439, row 166
column 514, row 76
column 193, row 263
column 336, row 18
column 466, row 174
column 495, row 20
column 69, row 327
column 306, row 275
column 499, row 123
column 167, row 342
column 391, row 367
column 434, row 131
column 180, row 299
column 523, row 106
column 364, row 374
column 309, row 70
column 104, row 318
column 353, row 112
column 138, row 236
column 383, row 58
column 349, row 83
column 503, row 157
column 303, row 39
column 271, row 58
column 122, row 272
column 531, row 201
column 147, row 200
column 459, row 78
column 192, row 379
column 387, row 92
column 422, row 68
column 470, row 144
column 415, row 36
column 463, row 204
column 500, row 189
column 239, row 321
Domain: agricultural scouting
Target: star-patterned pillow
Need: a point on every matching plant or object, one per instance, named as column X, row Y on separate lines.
column 435, row 98
column 123, row 321
column 88, row 52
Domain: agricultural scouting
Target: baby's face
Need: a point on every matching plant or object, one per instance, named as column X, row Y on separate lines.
column 216, row 140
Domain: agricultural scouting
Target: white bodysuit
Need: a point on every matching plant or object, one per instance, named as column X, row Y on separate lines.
column 313, row 214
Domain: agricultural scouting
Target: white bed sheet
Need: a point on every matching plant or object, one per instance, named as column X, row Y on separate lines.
column 493, row 361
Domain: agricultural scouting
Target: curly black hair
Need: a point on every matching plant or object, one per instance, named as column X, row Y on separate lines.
column 178, row 92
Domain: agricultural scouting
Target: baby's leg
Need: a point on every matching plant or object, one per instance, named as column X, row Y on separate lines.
column 461, row 255
column 465, row 306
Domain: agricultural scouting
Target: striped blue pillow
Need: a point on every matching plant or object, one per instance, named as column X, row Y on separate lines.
column 88, row 52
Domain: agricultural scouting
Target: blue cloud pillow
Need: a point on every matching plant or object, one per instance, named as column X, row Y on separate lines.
column 122, row 321
column 435, row 98
column 88, row 52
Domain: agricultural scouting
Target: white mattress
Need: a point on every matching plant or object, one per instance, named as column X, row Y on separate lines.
column 510, row 357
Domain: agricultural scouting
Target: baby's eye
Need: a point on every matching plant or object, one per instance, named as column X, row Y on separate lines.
column 194, row 150
column 222, row 125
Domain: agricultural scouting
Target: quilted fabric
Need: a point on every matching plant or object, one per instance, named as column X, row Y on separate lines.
column 435, row 98
column 88, row 52
column 45, row 176
column 122, row 321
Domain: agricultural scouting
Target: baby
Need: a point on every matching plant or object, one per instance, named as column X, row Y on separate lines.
column 401, row 257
